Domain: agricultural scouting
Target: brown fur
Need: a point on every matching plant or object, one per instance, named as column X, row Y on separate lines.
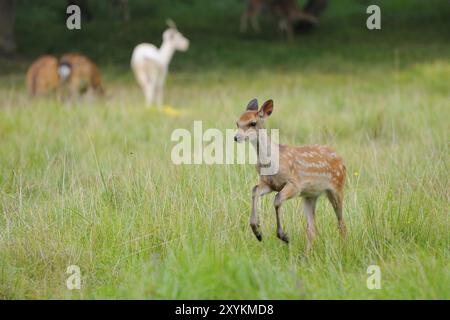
column 42, row 76
column 307, row 171
column 84, row 74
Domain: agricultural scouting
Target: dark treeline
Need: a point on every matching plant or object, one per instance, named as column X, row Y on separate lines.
column 8, row 10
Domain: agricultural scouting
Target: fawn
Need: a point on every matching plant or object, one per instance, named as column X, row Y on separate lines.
column 306, row 171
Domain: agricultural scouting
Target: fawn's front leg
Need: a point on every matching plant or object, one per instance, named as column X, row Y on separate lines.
column 258, row 191
column 286, row 193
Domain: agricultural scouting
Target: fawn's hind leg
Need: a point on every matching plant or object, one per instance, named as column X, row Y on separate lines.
column 309, row 205
column 258, row 191
column 336, row 199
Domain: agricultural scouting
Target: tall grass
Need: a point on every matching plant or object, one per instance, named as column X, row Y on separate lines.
column 92, row 184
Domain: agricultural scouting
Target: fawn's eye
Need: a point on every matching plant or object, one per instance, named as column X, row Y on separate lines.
column 253, row 124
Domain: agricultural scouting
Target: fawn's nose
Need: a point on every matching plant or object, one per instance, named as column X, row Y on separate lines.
column 235, row 138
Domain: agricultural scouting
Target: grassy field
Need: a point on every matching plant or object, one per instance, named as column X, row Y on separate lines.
column 93, row 184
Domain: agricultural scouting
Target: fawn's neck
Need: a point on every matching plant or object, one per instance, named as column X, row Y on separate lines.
column 264, row 147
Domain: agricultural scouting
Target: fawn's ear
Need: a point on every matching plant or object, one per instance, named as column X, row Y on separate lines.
column 253, row 105
column 266, row 109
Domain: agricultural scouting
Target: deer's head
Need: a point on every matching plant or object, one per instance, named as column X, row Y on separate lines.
column 252, row 120
column 172, row 35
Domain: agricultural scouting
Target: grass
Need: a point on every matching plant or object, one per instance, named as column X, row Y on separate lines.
column 93, row 184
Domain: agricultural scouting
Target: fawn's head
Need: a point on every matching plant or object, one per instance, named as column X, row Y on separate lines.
column 252, row 120
column 172, row 35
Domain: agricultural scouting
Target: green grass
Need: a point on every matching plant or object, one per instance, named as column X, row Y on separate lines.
column 93, row 185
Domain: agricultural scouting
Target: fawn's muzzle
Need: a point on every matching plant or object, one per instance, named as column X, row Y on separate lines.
column 239, row 138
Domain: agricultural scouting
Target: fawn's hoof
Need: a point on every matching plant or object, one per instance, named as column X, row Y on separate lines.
column 256, row 231
column 283, row 237
column 258, row 235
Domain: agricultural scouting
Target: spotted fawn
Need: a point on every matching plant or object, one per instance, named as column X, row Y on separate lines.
column 306, row 171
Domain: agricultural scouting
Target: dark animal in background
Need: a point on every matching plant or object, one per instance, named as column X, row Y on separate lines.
column 286, row 11
column 42, row 76
column 312, row 7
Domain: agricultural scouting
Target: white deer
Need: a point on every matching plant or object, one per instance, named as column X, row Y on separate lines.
column 150, row 64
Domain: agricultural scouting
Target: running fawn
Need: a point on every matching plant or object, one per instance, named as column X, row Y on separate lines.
column 306, row 171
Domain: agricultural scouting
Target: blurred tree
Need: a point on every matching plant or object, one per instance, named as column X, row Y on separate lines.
column 122, row 5
column 7, row 21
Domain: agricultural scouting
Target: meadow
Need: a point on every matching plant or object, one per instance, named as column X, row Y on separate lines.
column 92, row 184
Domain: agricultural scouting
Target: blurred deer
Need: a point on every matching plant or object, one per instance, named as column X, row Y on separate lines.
column 307, row 171
column 287, row 12
column 150, row 64
column 80, row 74
column 42, row 76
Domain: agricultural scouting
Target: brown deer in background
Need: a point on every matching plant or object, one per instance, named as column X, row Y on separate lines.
column 80, row 74
column 42, row 76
